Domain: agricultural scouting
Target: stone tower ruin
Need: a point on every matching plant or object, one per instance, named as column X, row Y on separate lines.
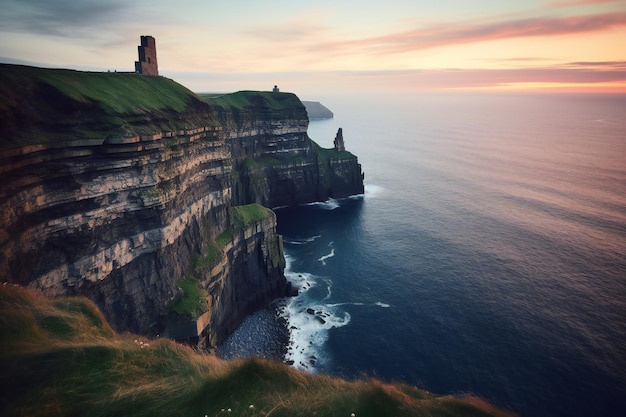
column 147, row 64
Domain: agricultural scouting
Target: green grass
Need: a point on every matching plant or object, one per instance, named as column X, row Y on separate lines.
column 211, row 257
column 194, row 301
column 213, row 250
column 92, row 371
column 115, row 93
column 243, row 100
column 259, row 163
column 242, row 216
column 43, row 106
column 331, row 154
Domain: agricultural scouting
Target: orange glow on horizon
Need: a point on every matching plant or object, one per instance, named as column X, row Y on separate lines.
column 551, row 87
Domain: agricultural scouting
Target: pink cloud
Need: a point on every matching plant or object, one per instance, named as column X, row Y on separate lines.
column 573, row 3
column 456, row 34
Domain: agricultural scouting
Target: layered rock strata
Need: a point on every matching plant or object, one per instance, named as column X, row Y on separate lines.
column 117, row 221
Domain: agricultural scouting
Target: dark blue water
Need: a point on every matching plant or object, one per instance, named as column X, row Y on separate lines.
column 488, row 254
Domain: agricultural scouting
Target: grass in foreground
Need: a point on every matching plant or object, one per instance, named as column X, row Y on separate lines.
column 60, row 357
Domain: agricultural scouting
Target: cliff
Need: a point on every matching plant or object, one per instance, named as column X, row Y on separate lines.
column 125, row 189
column 275, row 163
column 113, row 185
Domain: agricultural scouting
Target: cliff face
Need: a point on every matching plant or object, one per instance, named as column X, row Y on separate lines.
column 121, row 187
column 275, row 163
column 117, row 221
column 253, row 258
column 236, row 273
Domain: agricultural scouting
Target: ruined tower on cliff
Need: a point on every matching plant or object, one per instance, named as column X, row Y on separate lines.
column 339, row 145
column 147, row 64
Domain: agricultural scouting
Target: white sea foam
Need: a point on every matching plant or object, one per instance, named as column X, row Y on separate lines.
column 378, row 304
column 330, row 255
column 373, row 191
column 346, row 304
column 309, row 319
column 329, row 204
column 302, row 241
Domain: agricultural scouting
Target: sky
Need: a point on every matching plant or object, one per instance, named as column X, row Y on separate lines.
column 313, row 47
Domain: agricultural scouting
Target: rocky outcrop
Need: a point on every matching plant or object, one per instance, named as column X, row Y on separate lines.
column 121, row 187
column 275, row 163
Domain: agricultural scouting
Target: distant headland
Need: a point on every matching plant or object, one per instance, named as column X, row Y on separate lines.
column 317, row 111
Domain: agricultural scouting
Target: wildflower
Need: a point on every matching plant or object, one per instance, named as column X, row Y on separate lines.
column 229, row 410
column 251, row 407
column 352, row 415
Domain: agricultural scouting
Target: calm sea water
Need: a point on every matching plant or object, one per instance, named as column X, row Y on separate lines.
column 488, row 254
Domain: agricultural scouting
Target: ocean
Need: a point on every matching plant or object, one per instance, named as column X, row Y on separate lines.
column 487, row 255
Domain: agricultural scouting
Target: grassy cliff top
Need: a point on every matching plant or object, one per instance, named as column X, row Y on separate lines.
column 115, row 93
column 254, row 100
column 60, row 357
column 39, row 105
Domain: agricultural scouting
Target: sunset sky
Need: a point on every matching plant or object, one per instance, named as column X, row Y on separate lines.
column 310, row 47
